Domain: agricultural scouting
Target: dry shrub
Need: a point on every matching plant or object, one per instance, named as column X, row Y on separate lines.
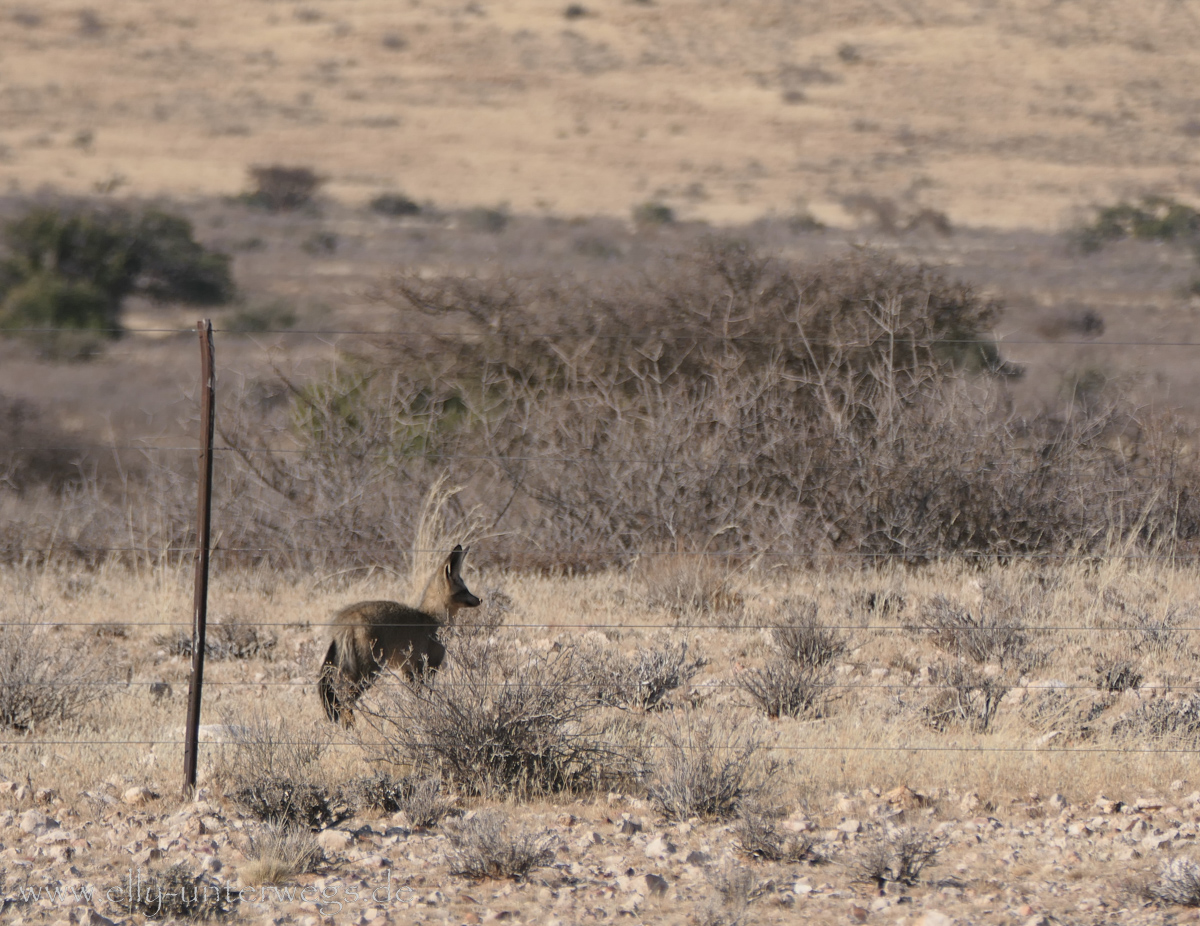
column 1171, row 722
column 484, row 846
column 223, row 639
column 758, row 836
column 645, row 680
column 784, row 688
column 994, row 633
column 707, row 768
column 965, row 697
column 271, row 768
column 1159, row 637
column 421, row 798
column 1117, row 674
column 718, row 403
column 690, row 586
column 174, row 893
column 279, row 188
column 899, row 855
column 280, row 852
column 796, row 680
column 801, row 637
column 501, row 721
column 43, row 681
column 32, row 448
column 1178, row 883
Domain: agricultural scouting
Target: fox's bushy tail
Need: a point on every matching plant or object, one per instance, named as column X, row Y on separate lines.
column 340, row 679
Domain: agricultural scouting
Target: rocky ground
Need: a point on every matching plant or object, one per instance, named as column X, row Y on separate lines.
column 1037, row 860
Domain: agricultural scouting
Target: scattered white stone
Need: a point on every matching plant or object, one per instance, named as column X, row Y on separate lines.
column 138, row 795
column 335, row 840
column 660, row 847
column 36, row 822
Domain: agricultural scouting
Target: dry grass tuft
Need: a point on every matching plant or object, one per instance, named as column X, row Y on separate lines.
column 278, row 853
column 707, row 768
column 42, row 681
column 503, row 721
column 486, row 846
column 896, row 855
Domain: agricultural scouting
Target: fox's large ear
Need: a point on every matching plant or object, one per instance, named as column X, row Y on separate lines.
column 455, row 559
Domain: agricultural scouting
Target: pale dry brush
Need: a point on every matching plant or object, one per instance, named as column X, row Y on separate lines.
column 796, row 679
column 706, row 767
column 755, row 404
column 46, row 680
column 500, row 720
column 759, row 836
column 644, row 680
column 488, row 845
column 899, row 855
column 1178, row 883
column 278, row 852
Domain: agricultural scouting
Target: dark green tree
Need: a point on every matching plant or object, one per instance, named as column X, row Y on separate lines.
column 72, row 267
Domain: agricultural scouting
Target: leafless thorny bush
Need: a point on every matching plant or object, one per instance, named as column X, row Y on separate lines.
column 643, row 681
column 224, row 639
column 759, row 836
column 421, row 798
column 43, row 681
column 485, row 846
column 691, row 586
column 796, row 680
column 783, row 688
column 500, row 720
column 271, row 768
column 1159, row 637
column 965, row 697
column 706, row 768
column 743, row 403
column 1178, row 883
column 802, row 638
column 1175, row 722
column 993, row 633
column 1117, row 674
column 896, row 855
column 174, row 893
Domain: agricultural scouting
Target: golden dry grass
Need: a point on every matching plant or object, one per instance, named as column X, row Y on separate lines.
column 875, row 735
column 1009, row 115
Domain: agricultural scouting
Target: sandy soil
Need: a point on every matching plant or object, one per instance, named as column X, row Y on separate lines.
column 1005, row 115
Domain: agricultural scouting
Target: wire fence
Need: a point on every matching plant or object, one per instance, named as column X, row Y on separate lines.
column 148, row 444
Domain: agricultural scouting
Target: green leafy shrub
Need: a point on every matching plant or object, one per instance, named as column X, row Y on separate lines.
column 1158, row 218
column 649, row 214
column 72, row 266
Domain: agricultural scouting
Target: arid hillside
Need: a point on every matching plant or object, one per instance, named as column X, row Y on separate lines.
column 1013, row 114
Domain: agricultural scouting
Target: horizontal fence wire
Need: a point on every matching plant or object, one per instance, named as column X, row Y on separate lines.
column 605, row 336
column 135, row 446
column 879, row 628
column 688, row 747
column 930, row 555
column 705, row 686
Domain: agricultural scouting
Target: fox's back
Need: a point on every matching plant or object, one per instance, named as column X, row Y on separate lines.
column 386, row 619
